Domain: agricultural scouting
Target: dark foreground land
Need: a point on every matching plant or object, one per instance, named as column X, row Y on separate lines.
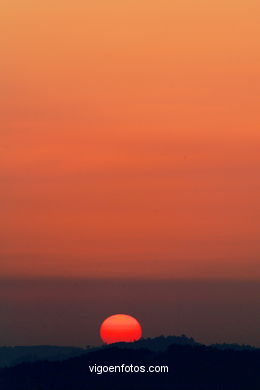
column 191, row 367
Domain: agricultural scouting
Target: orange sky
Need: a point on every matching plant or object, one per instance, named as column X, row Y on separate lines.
column 130, row 138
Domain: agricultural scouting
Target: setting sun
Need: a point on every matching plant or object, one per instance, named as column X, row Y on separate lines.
column 120, row 327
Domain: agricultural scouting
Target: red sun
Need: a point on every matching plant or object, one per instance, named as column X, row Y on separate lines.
column 120, row 327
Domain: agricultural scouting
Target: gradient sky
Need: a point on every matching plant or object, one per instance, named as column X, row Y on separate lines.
column 130, row 139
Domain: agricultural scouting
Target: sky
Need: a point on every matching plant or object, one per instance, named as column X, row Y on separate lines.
column 71, row 311
column 130, row 139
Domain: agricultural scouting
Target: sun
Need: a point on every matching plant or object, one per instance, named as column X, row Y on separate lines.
column 120, row 327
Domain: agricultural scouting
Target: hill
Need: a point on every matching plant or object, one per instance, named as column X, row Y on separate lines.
column 190, row 367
